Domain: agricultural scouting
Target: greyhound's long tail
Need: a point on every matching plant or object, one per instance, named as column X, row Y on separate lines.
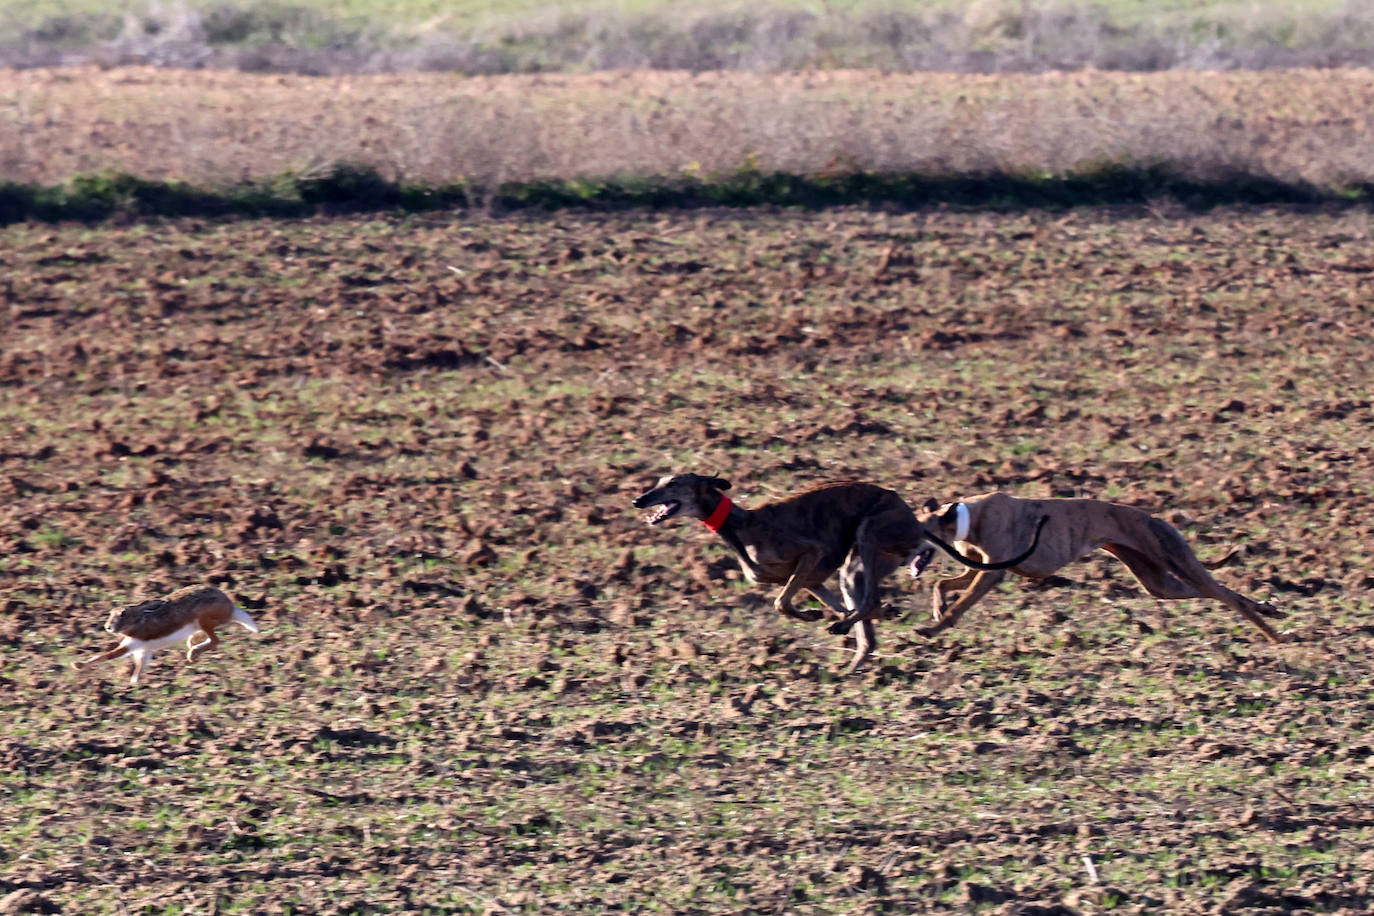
column 1218, row 564
column 240, row 617
column 1004, row 564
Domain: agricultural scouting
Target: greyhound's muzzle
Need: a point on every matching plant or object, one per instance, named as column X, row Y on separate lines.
column 921, row 561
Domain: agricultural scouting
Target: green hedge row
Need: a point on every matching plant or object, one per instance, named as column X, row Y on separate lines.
column 351, row 188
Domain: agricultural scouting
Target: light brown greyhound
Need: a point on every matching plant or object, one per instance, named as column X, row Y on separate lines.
column 860, row 530
column 1153, row 550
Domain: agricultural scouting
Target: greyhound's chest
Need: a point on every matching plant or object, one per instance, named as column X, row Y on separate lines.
column 767, row 566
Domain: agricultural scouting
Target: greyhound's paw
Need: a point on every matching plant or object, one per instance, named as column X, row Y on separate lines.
column 927, row 632
column 839, row 628
column 789, row 611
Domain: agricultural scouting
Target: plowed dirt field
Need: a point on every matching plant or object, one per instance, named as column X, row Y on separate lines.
column 408, row 447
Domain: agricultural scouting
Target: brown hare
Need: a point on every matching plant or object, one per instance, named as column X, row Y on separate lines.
column 157, row 624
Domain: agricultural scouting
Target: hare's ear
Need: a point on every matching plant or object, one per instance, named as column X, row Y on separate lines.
column 930, row 505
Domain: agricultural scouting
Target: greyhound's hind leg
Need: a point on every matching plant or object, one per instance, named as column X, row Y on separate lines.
column 856, row 578
column 1155, row 578
column 1251, row 610
column 865, row 641
column 865, row 568
column 1188, row 578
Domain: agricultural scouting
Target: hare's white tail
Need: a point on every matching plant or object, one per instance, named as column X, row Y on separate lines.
column 240, row 617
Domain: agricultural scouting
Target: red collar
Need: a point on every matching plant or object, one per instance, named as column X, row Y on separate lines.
column 721, row 513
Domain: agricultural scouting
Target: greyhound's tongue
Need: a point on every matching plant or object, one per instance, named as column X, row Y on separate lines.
column 920, row 562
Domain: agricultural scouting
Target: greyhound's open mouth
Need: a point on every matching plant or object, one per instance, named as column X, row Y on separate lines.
column 666, row 510
column 921, row 561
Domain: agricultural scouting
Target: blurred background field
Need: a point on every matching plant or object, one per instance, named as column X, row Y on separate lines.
column 484, row 96
column 1298, row 127
column 480, row 36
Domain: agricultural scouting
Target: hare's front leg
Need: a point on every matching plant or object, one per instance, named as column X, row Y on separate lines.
column 116, row 651
column 140, row 656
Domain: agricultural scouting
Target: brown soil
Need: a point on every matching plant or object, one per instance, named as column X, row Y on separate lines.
column 409, row 446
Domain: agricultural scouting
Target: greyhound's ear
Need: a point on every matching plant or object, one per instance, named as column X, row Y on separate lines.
column 930, row 505
column 720, row 483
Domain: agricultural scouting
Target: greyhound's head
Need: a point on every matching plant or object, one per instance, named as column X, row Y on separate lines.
column 938, row 520
column 692, row 495
column 946, row 526
column 942, row 520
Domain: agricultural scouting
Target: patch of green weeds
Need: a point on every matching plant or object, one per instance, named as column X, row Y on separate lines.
column 351, row 187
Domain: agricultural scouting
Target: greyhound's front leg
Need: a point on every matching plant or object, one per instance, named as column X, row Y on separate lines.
column 802, row 572
column 829, row 599
column 939, row 594
column 983, row 583
column 865, row 641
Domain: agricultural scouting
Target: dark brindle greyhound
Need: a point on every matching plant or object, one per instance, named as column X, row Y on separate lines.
column 860, row 530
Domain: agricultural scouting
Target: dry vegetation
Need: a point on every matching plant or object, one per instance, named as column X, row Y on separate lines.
column 475, row 36
column 1300, row 126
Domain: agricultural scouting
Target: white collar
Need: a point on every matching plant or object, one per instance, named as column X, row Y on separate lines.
column 961, row 521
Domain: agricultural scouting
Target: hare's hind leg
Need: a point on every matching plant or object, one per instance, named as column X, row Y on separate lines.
column 197, row 648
